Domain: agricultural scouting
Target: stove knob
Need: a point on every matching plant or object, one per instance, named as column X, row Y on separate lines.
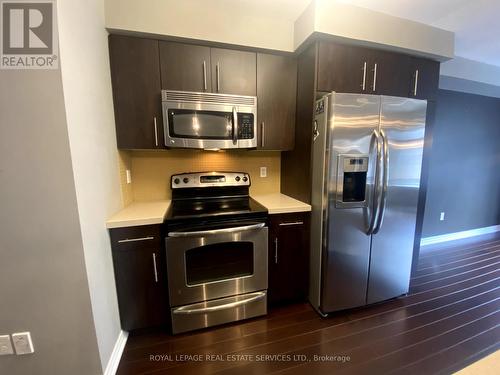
column 176, row 181
column 186, row 180
column 237, row 179
column 245, row 179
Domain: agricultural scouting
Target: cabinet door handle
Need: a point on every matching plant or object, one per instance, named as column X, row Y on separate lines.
column 204, row 75
column 217, row 76
column 276, row 250
column 374, row 77
column 291, row 223
column 154, row 267
column 156, row 131
column 416, row 83
column 263, row 134
column 136, row 239
column 363, row 83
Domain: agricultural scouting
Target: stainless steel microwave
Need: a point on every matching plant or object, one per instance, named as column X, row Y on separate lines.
column 209, row 121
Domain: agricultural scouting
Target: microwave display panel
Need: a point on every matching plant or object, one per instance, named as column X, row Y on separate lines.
column 187, row 123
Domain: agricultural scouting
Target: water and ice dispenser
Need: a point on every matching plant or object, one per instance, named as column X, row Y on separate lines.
column 351, row 181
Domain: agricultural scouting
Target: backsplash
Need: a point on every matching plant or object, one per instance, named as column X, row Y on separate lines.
column 151, row 170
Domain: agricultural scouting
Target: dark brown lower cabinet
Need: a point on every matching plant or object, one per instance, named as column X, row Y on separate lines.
column 288, row 258
column 140, row 276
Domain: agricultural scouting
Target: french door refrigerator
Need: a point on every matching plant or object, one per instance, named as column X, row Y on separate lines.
column 367, row 157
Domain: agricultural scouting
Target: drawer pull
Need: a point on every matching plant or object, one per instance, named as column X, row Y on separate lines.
column 291, row 223
column 154, row 267
column 136, row 239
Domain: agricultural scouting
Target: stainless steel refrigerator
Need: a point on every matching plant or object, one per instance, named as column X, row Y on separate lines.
column 367, row 157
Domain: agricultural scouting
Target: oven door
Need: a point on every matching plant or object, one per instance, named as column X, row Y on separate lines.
column 215, row 263
column 209, row 126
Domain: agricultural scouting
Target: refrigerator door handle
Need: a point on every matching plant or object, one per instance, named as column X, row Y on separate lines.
column 385, row 176
column 375, row 142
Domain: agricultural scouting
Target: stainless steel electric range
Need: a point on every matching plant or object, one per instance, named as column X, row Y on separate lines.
column 216, row 248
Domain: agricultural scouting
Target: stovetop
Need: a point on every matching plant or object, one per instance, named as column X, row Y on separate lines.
column 224, row 197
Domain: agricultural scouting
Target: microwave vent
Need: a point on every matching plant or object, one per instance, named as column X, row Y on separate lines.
column 203, row 97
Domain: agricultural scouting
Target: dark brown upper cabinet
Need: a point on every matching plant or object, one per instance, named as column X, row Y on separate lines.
column 424, row 78
column 276, row 95
column 185, row 67
column 135, row 76
column 361, row 70
column 233, row 72
column 342, row 68
column 388, row 74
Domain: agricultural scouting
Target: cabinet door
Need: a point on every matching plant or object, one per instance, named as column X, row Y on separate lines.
column 185, row 67
column 233, row 72
column 135, row 75
column 388, row 73
column 276, row 95
column 342, row 68
column 140, row 276
column 424, row 78
column 288, row 258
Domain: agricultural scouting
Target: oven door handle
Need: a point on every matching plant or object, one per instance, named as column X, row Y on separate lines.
column 203, row 310
column 201, row 233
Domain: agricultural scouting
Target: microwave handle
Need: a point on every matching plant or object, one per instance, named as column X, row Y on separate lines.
column 216, row 231
column 235, row 126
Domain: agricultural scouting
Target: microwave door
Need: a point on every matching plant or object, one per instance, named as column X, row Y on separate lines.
column 206, row 129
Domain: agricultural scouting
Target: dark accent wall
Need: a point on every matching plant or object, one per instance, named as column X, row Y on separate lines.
column 464, row 164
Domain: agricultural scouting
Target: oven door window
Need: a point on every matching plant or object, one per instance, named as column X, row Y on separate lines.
column 218, row 262
column 189, row 123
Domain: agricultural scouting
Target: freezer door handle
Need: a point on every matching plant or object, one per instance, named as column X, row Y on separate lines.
column 373, row 218
column 383, row 197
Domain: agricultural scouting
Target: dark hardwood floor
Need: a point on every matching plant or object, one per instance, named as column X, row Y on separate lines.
column 450, row 318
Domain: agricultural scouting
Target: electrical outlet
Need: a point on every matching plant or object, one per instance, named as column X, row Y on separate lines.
column 129, row 176
column 263, row 171
column 22, row 343
column 5, row 345
column 441, row 216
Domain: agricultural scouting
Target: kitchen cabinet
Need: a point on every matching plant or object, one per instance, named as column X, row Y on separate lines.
column 342, row 68
column 140, row 275
column 288, row 257
column 425, row 78
column 185, row 67
column 354, row 69
column 388, row 73
column 135, row 76
column 276, row 95
column 233, row 72
column 189, row 67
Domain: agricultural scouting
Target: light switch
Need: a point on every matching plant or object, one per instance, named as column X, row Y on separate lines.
column 263, row 171
column 129, row 176
column 5, row 345
column 441, row 216
column 22, row 343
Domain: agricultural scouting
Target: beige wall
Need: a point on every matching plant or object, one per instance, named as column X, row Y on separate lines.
column 43, row 280
column 86, row 83
column 151, row 170
column 369, row 27
column 221, row 21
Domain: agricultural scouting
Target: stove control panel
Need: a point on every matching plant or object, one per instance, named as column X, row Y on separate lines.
column 209, row 179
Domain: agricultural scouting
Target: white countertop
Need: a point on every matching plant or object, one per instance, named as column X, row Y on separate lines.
column 139, row 213
column 147, row 213
column 277, row 203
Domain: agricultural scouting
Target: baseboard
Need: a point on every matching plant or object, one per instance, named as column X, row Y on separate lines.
column 459, row 235
column 116, row 355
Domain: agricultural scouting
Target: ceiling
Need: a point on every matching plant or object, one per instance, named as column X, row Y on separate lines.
column 475, row 22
